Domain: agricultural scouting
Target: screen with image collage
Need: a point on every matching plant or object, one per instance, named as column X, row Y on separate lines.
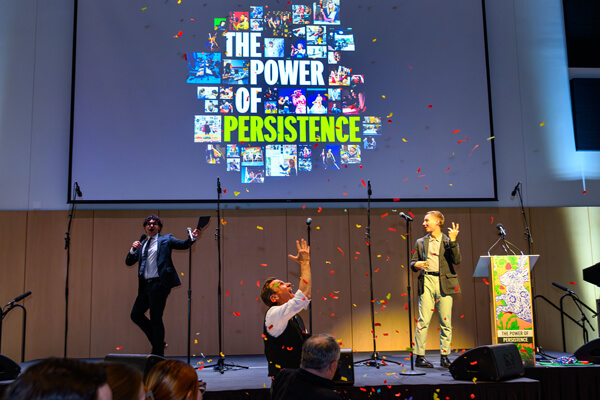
column 281, row 101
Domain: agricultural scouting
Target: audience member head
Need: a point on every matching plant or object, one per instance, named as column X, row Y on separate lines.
column 173, row 380
column 60, row 378
column 320, row 355
column 125, row 381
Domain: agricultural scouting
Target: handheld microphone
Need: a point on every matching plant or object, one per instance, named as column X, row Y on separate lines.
column 192, row 238
column 78, row 190
column 515, row 189
column 19, row 298
column 406, row 217
column 561, row 287
column 308, row 221
column 143, row 237
column 501, row 229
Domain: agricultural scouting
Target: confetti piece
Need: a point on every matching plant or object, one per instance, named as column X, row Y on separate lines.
column 119, row 348
column 430, row 106
column 462, row 316
column 485, row 281
column 144, row 9
column 263, row 265
column 476, row 146
column 242, row 282
column 363, row 182
column 384, row 215
column 236, row 193
column 392, row 229
column 396, row 199
column 456, row 131
column 260, row 228
column 383, row 96
column 390, row 116
column 237, row 314
column 543, row 123
column 227, row 293
column 320, row 209
column 358, row 226
column 258, row 283
column 404, row 140
column 342, row 251
column 492, row 221
column 572, row 283
column 491, row 137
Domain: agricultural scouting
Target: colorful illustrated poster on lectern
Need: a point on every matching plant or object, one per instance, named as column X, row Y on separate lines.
column 512, row 305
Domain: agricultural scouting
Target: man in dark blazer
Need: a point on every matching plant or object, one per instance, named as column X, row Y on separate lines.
column 434, row 257
column 156, row 276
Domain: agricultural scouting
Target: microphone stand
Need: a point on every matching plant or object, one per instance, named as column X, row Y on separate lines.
column 220, row 365
column 308, row 221
column 189, row 316
column 68, row 249
column 374, row 360
column 408, row 288
column 538, row 348
column 583, row 319
column 3, row 314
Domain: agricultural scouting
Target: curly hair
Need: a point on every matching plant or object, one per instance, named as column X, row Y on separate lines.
column 155, row 218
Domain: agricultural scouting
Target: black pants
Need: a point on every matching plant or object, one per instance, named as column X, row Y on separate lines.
column 151, row 296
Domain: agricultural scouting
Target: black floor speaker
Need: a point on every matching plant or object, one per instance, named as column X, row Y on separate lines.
column 9, row 369
column 488, row 363
column 589, row 352
column 142, row 362
column 344, row 376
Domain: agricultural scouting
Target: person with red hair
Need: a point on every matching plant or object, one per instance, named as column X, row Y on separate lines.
column 173, row 380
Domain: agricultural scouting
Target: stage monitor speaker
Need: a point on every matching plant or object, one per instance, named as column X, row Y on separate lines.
column 344, row 376
column 488, row 363
column 589, row 352
column 9, row 369
column 142, row 362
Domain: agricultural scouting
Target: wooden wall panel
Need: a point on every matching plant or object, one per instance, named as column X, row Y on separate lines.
column 13, row 238
column 251, row 239
column 562, row 237
column 331, row 290
column 115, row 285
column 45, row 276
column 595, row 240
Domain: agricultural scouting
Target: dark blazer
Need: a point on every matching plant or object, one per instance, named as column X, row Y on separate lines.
column 450, row 257
column 166, row 270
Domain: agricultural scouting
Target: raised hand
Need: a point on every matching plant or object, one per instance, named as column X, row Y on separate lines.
column 453, row 232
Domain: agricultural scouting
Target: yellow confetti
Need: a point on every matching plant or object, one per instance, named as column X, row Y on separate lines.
column 450, row 184
column 318, row 227
column 383, row 95
column 358, row 226
column 389, row 295
column 403, row 237
column 182, row 274
column 259, row 228
column 491, row 137
column 378, row 255
column 543, row 123
column 402, row 265
column 327, row 262
column 247, row 191
column 390, row 116
column 223, row 222
column 264, row 385
column 475, row 380
column 144, row 9
column 344, row 378
column 222, row 355
column 354, row 304
column 236, row 193
column 196, row 341
column 404, row 140
column 178, row 1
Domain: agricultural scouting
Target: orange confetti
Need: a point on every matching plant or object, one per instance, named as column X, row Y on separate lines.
column 320, row 209
column 485, row 281
column 476, row 146
column 263, row 265
column 492, row 221
column 237, row 314
column 341, row 251
column 119, row 348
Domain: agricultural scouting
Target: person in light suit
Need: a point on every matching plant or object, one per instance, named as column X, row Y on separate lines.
column 156, row 277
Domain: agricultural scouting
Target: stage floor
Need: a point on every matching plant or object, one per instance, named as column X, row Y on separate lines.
column 387, row 382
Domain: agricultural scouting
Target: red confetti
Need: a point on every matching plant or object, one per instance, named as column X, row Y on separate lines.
column 572, row 283
column 492, row 221
column 227, row 293
column 290, row 348
column 419, row 170
column 396, row 199
column 270, row 327
column 242, row 282
column 333, row 296
column 473, row 363
column 363, row 182
column 315, row 145
column 456, row 131
column 263, row 265
column 332, row 314
column 304, row 206
column 392, row 229
column 485, row 281
column 406, row 306
column 237, row 314
column 456, row 289
column 472, row 395
column 119, row 348
column 258, row 283
column 320, row 209
column 462, row 316
column 180, row 33
column 430, row 106
column 384, row 215
column 476, row 146
column 332, row 272
column 341, row 251
column 411, row 214
column 224, row 190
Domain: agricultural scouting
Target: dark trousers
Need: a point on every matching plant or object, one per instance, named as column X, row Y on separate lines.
column 151, row 296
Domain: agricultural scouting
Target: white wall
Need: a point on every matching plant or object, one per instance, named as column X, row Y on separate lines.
column 529, row 86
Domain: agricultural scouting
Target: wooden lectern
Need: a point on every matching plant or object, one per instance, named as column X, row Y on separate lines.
column 511, row 301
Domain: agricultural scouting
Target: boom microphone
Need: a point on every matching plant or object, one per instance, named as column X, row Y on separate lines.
column 406, row 217
column 19, row 298
column 78, row 190
column 501, row 229
column 515, row 189
column 561, row 287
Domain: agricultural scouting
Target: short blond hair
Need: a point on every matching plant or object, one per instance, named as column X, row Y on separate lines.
column 438, row 215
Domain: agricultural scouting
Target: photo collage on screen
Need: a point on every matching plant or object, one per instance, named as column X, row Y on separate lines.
column 222, row 80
